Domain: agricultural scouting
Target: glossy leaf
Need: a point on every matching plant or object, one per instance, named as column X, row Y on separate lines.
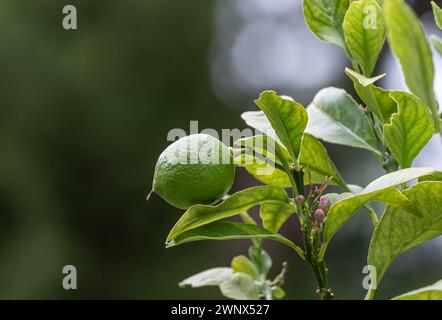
column 354, row 188
column 259, row 121
column 211, row 277
column 244, row 265
column 325, row 18
column 399, row 230
column 382, row 190
column 437, row 14
column 314, row 157
column 336, row 118
column 409, row 129
column 240, row 286
column 407, row 39
column 235, row 204
column 433, row 292
column 364, row 31
column 375, row 98
column 227, row 230
column 274, row 214
column 287, row 117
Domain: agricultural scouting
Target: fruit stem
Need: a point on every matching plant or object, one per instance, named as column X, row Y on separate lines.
column 149, row 194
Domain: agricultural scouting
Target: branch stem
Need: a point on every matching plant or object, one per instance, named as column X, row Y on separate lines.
column 312, row 238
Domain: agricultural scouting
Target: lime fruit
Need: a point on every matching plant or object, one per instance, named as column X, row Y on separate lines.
column 196, row 169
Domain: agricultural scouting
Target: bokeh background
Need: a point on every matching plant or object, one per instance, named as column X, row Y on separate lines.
column 84, row 115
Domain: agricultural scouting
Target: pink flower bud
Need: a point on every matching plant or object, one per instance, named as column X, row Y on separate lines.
column 319, row 215
column 324, row 203
column 300, row 199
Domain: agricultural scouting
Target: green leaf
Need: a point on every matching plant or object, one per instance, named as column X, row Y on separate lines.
column 259, row 121
column 325, row 18
column 408, row 41
column 244, row 265
column 437, row 42
column 433, row 292
column 263, row 170
column 355, row 188
column 336, row 118
column 435, row 176
column 265, row 159
column 211, row 277
column 314, row 157
column 227, row 230
column 364, row 31
column 437, row 14
column 274, row 214
column 399, row 230
column 268, row 174
column 409, row 129
column 375, row 98
column 382, row 189
column 287, row 117
column 261, row 259
column 336, row 197
column 237, row 203
column 265, row 146
column 240, row 286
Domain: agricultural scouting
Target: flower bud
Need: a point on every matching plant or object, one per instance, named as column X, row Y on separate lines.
column 319, row 215
column 324, row 203
column 300, row 199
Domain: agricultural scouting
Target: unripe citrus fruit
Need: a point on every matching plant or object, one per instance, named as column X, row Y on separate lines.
column 197, row 169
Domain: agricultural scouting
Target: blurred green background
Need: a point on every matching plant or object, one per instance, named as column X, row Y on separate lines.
column 85, row 114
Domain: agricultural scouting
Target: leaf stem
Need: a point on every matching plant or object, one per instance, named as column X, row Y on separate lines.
column 373, row 216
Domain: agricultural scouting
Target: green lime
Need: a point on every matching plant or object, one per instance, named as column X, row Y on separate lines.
column 197, row 169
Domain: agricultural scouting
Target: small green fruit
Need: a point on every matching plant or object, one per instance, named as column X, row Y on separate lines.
column 197, row 169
